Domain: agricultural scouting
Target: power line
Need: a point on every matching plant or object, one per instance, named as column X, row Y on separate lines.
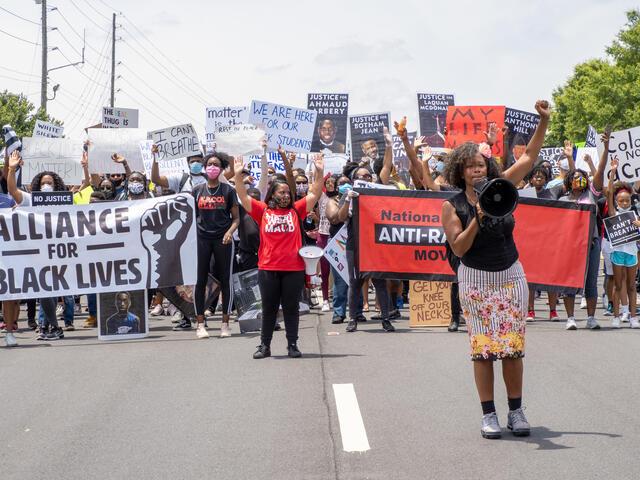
column 146, row 107
column 22, row 39
column 21, row 18
column 151, row 101
column 17, row 71
column 76, row 32
column 88, row 17
column 16, row 79
column 109, row 6
column 97, row 11
column 74, row 48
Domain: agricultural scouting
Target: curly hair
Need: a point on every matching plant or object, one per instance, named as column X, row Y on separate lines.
column 454, row 169
column 540, row 169
column 58, row 183
column 223, row 157
column 569, row 178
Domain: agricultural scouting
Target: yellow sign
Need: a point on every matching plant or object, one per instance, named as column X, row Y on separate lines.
column 429, row 304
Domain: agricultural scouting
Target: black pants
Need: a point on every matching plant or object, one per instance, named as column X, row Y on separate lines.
column 456, row 308
column 280, row 288
column 215, row 256
column 355, row 291
column 31, row 309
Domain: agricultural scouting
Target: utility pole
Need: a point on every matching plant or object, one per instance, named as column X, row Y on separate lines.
column 113, row 60
column 43, row 84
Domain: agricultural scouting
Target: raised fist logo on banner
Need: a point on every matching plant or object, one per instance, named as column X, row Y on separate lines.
column 164, row 228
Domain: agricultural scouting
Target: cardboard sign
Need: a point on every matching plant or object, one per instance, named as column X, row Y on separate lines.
column 122, row 315
column 45, row 129
column 113, row 117
column 58, row 155
column 217, row 117
column 468, row 124
column 330, row 134
column 104, row 142
column 239, row 139
column 336, row 253
column 624, row 144
column 432, row 111
column 621, row 229
column 367, row 138
column 521, row 127
column 177, row 166
column 429, row 304
column 290, row 127
column 176, row 142
column 47, row 199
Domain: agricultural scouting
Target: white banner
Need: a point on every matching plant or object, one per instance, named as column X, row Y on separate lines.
column 45, row 129
column 104, row 142
column 290, row 127
column 625, row 145
column 239, row 139
column 119, row 117
column 101, row 247
column 58, row 155
column 336, row 253
column 166, row 167
column 176, row 142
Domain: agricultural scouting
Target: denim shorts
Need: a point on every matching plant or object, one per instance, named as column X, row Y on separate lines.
column 623, row 259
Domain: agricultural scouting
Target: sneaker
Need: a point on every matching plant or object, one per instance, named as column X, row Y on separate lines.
column 352, row 326
column 490, row 426
column 361, row 318
column 177, row 317
column 377, row 316
column 10, row 340
column 517, row 423
column 553, row 316
column 625, row 317
column 42, row 334
column 609, row 310
column 201, row 331
column 571, row 324
column 531, row 316
column 592, row 324
column 208, row 313
column 157, row 310
column 634, row 322
column 583, row 303
column 263, row 352
column 3, row 327
column 615, row 323
column 183, row 325
column 325, row 306
column 69, row 327
column 225, row 331
column 293, row 352
column 386, row 324
column 77, row 309
column 90, row 322
column 395, row 314
column 59, row 310
column 32, row 323
column 277, row 327
column 337, row 319
column 55, row 334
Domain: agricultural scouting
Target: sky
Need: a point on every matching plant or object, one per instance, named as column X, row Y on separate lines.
column 176, row 58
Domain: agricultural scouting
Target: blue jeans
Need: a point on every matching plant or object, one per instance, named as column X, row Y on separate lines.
column 340, row 294
column 92, row 303
column 69, row 304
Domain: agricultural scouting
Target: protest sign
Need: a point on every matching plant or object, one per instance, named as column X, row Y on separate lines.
column 217, row 117
column 400, row 236
column 432, row 111
column 367, row 139
column 334, row 162
column 553, row 155
column 239, row 139
column 83, row 197
column 122, row 315
column 592, row 137
column 176, row 142
column 46, row 199
column 521, row 127
column 58, row 155
column 336, row 253
column 400, row 159
column 621, row 229
column 429, row 303
column 176, row 166
column 273, row 159
column 119, row 117
column 625, row 145
column 46, row 129
column 104, row 142
column 101, row 247
column 290, row 127
column 330, row 133
column 582, row 153
column 469, row 124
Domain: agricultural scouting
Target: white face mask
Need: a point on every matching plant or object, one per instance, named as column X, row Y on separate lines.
column 46, row 188
column 620, row 209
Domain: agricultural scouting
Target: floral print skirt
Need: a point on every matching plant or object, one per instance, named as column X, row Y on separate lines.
column 494, row 306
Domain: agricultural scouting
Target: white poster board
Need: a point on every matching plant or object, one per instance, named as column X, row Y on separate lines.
column 59, row 155
column 624, row 144
column 290, row 127
column 104, row 142
column 166, row 167
column 46, row 129
column 334, row 163
column 119, row 117
column 217, row 117
column 581, row 162
column 336, row 253
column 176, row 142
column 239, row 139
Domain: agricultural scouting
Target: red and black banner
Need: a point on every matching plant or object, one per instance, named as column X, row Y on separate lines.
column 400, row 236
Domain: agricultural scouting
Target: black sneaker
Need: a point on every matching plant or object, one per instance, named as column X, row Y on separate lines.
column 277, row 327
column 352, row 326
column 32, row 324
column 183, row 325
column 262, row 352
column 455, row 324
column 386, row 324
column 337, row 319
column 293, row 352
column 361, row 318
column 56, row 334
column 377, row 316
column 395, row 314
column 42, row 334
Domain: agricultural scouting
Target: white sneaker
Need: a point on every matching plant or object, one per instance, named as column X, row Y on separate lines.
column 490, row 426
column 625, row 317
column 225, row 331
column 615, row 323
column 177, row 317
column 10, row 340
column 592, row 323
column 208, row 313
column 201, row 332
column 635, row 323
column 325, row 306
column 156, row 311
column 77, row 309
column 583, row 303
column 571, row 324
column 59, row 310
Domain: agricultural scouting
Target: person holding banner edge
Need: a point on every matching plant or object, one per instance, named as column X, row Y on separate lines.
column 493, row 287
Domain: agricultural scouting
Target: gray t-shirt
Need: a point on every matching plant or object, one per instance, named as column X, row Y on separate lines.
column 192, row 181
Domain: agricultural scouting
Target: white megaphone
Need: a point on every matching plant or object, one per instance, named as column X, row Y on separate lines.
column 311, row 256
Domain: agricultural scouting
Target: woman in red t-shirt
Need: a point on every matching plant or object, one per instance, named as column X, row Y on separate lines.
column 280, row 267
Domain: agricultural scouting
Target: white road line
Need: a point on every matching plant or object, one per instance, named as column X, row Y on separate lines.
column 354, row 436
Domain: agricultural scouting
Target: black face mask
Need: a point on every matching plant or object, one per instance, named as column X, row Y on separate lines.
column 117, row 183
column 108, row 193
column 332, row 194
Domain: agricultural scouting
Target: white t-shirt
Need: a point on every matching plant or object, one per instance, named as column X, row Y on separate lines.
column 26, row 199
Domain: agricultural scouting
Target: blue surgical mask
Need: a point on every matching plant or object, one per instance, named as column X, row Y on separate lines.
column 195, row 168
column 344, row 188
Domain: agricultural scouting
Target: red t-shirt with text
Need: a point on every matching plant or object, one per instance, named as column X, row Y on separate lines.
column 280, row 235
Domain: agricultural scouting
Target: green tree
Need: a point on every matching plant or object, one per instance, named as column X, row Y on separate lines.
column 601, row 92
column 17, row 111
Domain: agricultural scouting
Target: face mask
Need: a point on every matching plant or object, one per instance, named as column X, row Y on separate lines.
column 302, row 188
column 332, row 194
column 117, row 182
column 136, row 188
column 344, row 188
column 620, row 209
column 46, row 188
column 195, row 168
column 213, row 172
column 107, row 192
column 579, row 183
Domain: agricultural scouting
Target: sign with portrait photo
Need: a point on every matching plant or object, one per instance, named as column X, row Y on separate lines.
column 122, row 315
column 367, row 138
column 330, row 134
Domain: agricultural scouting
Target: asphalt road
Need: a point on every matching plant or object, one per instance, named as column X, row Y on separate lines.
column 174, row 407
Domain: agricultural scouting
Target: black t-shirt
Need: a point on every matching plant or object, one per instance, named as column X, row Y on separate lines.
column 249, row 233
column 213, row 209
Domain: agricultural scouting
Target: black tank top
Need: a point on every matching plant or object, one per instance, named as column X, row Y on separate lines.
column 493, row 249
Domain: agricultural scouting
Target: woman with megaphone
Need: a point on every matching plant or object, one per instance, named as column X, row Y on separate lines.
column 493, row 287
column 281, row 270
